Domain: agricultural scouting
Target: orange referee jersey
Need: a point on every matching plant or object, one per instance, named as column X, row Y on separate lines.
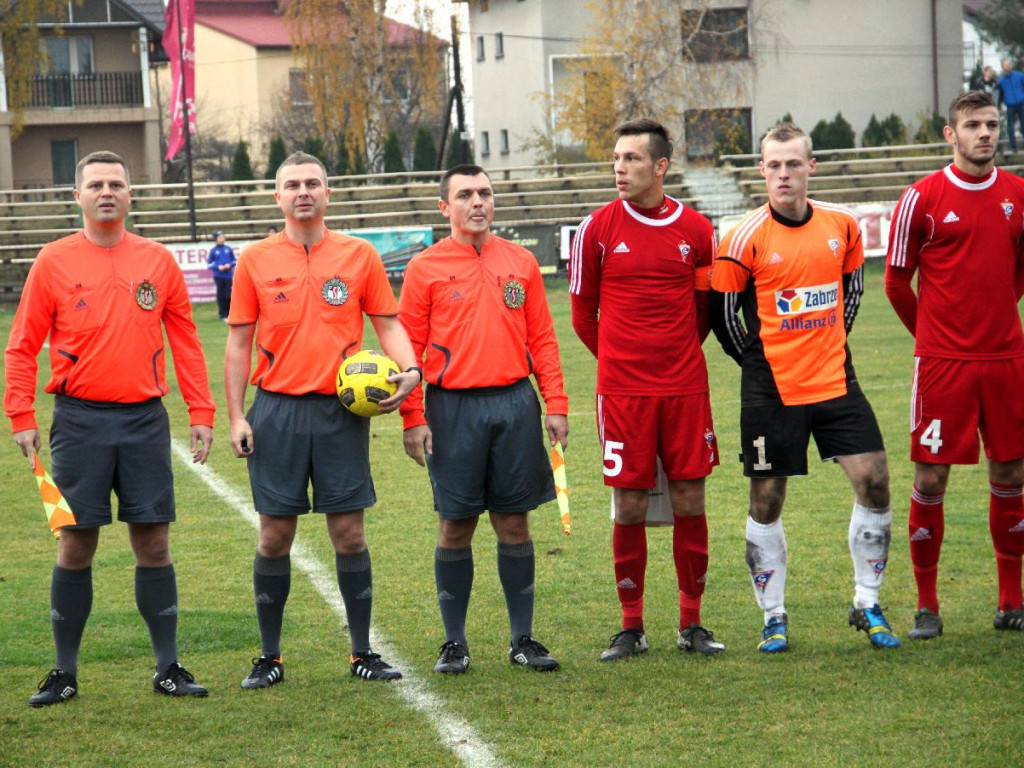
column 796, row 273
column 482, row 320
column 308, row 308
column 102, row 309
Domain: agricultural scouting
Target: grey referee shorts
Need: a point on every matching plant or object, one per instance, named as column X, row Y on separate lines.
column 303, row 439
column 99, row 447
column 489, row 451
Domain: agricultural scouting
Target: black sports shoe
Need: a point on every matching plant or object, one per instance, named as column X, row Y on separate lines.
column 177, row 681
column 372, row 667
column 1009, row 620
column 265, row 673
column 454, row 659
column 57, row 687
column 696, row 639
column 927, row 625
column 529, row 653
column 627, row 643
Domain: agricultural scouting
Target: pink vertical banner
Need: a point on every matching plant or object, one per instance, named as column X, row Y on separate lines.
column 179, row 43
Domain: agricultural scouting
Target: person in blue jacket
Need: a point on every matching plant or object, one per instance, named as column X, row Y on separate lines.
column 221, row 261
column 1011, row 93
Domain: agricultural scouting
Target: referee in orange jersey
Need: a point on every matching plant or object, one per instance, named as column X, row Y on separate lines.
column 476, row 312
column 301, row 294
column 105, row 297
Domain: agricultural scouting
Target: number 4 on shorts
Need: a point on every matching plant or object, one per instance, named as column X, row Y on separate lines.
column 931, row 438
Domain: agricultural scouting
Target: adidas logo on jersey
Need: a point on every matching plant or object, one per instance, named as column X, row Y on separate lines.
column 81, row 305
column 775, row 259
column 280, row 298
column 921, row 534
column 621, row 248
column 626, row 583
column 951, row 218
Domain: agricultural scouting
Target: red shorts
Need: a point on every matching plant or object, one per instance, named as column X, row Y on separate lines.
column 635, row 431
column 953, row 400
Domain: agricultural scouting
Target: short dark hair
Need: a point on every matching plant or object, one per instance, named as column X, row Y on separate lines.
column 783, row 132
column 465, row 169
column 102, row 156
column 659, row 142
column 968, row 101
column 300, row 158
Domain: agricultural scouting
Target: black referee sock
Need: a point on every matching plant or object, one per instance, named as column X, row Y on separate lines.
column 453, row 574
column 516, row 568
column 70, row 604
column 271, row 583
column 355, row 581
column 156, row 595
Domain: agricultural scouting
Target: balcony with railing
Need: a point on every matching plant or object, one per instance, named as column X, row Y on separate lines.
column 98, row 89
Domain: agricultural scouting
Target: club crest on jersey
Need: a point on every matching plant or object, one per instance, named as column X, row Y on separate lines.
column 878, row 566
column 1007, row 208
column 761, row 579
column 145, row 295
column 833, row 243
column 335, row 292
column 684, row 251
column 514, row 294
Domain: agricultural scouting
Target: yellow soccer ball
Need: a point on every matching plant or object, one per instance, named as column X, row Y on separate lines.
column 363, row 381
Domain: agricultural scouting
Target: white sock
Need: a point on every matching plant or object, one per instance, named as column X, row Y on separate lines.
column 767, row 555
column 870, row 534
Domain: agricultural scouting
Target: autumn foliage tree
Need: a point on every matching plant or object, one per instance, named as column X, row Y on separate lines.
column 649, row 58
column 21, row 43
column 366, row 75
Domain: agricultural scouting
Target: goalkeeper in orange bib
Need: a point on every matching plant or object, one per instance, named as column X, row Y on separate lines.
column 795, row 269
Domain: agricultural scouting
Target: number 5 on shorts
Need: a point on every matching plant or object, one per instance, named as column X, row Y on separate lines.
column 931, row 438
column 611, row 449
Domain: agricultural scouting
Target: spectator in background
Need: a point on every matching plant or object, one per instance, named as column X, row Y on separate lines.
column 988, row 82
column 221, row 262
column 1011, row 93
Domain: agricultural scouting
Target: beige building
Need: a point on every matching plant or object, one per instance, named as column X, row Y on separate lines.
column 810, row 59
column 94, row 93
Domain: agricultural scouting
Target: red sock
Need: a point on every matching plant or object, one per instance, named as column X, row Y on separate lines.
column 690, row 552
column 1006, row 523
column 629, row 548
column 927, row 526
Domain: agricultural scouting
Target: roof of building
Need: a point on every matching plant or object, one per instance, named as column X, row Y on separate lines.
column 261, row 23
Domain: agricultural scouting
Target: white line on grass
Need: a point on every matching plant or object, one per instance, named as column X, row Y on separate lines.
column 456, row 734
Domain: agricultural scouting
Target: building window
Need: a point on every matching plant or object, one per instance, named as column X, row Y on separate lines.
column 499, row 45
column 298, row 91
column 68, row 55
column 480, row 48
column 718, row 34
column 503, row 136
column 64, row 158
column 485, row 143
column 710, row 132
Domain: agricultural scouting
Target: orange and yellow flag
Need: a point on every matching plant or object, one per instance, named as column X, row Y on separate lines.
column 561, row 487
column 58, row 513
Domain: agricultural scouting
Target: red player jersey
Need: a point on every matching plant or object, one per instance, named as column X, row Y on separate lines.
column 639, row 282
column 965, row 238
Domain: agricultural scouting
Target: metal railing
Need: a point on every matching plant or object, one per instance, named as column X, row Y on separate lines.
column 99, row 89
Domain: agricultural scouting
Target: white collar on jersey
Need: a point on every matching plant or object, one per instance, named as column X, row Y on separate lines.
column 655, row 222
column 970, row 186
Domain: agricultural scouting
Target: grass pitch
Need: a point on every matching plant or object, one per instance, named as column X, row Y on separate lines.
column 832, row 700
